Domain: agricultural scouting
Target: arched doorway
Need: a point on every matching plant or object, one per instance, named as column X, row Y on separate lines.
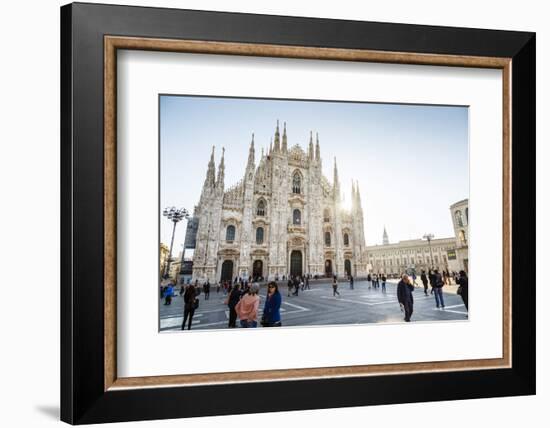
column 347, row 267
column 328, row 267
column 227, row 271
column 257, row 269
column 296, row 263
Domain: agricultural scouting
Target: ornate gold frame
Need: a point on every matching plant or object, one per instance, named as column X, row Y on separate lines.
column 113, row 43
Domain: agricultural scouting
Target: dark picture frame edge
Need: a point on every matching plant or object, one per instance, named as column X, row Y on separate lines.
column 83, row 398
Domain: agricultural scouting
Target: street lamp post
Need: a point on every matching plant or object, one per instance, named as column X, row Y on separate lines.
column 175, row 215
column 429, row 237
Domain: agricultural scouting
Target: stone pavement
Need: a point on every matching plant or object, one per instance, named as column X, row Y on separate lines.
column 318, row 307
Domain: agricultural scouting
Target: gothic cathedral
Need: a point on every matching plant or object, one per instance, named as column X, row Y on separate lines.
column 284, row 217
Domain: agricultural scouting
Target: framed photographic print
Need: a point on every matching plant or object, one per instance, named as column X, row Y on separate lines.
column 316, row 210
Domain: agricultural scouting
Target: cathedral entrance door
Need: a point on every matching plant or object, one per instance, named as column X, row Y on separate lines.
column 227, row 271
column 347, row 267
column 296, row 263
column 328, row 267
column 257, row 269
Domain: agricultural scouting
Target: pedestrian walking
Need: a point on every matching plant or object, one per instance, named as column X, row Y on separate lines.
column 168, row 294
column 424, row 280
column 306, row 287
column 438, row 289
column 369, row 280
column 296, row 284
column 247, row 307
column 405, row 297
column 351, row 282
column 190, row 303
column 431, row 278
column 232, row 300
column 463, row 287
column 335, row 286
column 290, row 284
column 206, row 289
column 217, row 287
column 384, row 283
column 271, row 316
column 414, row 279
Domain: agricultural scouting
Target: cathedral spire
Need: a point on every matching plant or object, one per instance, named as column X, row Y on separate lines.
column 317, row 149
column 277, row 147
column 221, row 171
column 336, row 181
column 311, row 152
column 285, row 147
column 270, row 147
column 211, row 172
column 385, row 239
column 358, row 195
column 251, row 154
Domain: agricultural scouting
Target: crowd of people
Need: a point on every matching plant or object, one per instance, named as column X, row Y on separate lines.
column 243, row 301
column 437, row 281
column 243, row 297
column 296, row 283
column 374, row 281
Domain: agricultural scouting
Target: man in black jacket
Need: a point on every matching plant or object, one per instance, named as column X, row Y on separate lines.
column 405, row 297
column 232, row 300
column 463, row 287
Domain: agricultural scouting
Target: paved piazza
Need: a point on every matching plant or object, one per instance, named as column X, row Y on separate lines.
column 318, row 307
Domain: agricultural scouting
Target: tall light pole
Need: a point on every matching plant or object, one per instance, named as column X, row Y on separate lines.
column 175, row 215
column 429, row 237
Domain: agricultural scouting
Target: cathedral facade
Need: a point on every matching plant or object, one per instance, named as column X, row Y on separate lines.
column 282, row 218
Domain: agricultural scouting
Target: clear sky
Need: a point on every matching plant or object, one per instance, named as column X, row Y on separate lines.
column 411, row 161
